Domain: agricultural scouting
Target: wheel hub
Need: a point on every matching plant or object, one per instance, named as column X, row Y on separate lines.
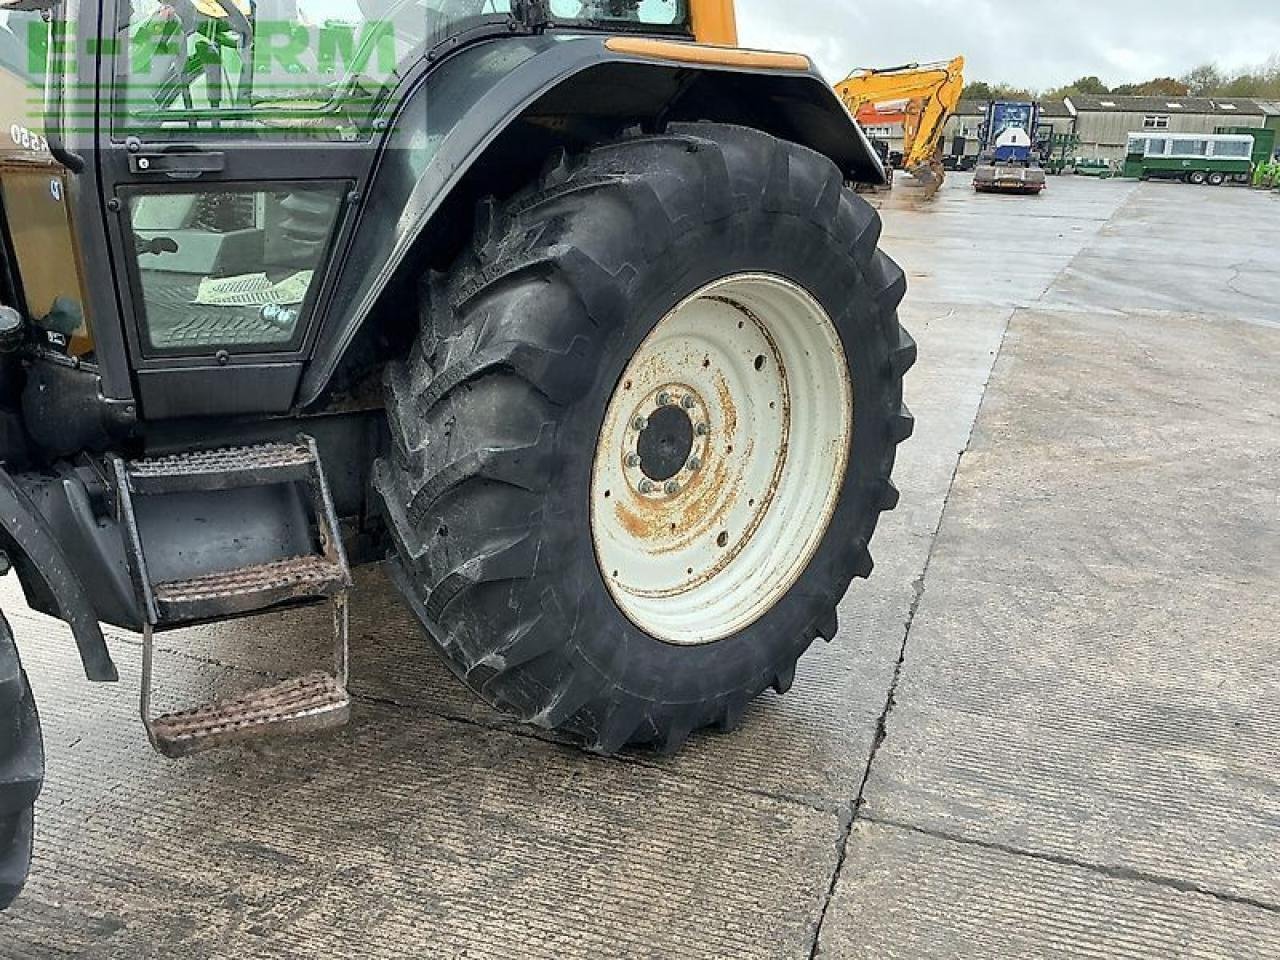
column 721, row 458
column 667, row 443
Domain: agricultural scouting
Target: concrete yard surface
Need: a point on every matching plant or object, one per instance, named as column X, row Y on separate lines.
column 1050, row 726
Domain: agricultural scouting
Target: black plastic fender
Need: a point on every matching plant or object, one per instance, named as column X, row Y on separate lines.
column 447, row 124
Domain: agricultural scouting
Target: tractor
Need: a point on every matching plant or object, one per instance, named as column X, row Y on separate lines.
column 565, row 310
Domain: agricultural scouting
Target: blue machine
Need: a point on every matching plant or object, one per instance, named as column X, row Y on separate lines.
column 1010, row 161
column 1005, row 121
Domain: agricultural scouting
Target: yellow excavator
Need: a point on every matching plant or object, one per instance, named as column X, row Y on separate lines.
column 921, row 97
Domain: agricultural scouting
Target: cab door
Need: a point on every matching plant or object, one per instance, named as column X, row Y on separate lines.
column 240, row 136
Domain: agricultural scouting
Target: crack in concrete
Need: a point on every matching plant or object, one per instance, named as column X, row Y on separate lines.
column 1236, row 270
column 1086, row 246
column 1112, row 872
column 882, row 724
column 881, row 734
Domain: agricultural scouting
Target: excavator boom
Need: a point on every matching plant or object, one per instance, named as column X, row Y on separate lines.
column 919, row 96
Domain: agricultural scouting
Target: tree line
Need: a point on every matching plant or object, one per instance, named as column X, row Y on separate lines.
column 1207, row 80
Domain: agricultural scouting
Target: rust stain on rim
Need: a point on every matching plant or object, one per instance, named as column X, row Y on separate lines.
column 653, row 520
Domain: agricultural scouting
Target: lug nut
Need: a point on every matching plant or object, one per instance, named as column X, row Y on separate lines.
column 646, row 486
column 688, row 403
column 672, row 487
column 633, row 461
column 702, row 429
column 664, row 399
column 694, row 464
column 639, row 424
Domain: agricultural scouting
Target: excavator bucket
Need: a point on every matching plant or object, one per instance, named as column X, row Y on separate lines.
column 928, row 179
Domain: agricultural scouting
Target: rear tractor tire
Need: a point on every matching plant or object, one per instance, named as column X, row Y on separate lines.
column 647, row 432
column 21, row 769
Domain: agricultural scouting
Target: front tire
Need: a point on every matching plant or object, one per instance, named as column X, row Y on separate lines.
column 531, row 358
column 21, row 769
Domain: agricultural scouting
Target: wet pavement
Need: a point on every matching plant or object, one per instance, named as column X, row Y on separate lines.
column 1048, row 726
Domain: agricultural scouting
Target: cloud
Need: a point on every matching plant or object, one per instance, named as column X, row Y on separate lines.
column 1030, row 43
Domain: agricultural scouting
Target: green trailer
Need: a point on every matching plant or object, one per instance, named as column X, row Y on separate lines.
column 1190, row 157
column 1264, row 141
column 1096, row 168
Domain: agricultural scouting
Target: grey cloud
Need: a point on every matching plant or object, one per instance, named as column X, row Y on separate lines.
column 1034, row 44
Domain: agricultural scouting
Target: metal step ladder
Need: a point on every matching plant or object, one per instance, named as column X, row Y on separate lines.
column 306, row 704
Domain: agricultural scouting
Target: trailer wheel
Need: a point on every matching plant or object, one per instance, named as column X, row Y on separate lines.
column 21, row 769
column 1216, row 179
column 647, row 433
column 1198, row 177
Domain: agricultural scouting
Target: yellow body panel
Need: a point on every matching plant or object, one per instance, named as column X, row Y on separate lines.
column 709, row 55
column 715, row 21
column 931, row 93
column 33, row 191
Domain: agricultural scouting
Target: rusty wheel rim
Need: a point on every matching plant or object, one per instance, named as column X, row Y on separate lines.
column 721, row 459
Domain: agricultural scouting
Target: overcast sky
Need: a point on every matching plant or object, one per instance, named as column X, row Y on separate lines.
column 1031, row 43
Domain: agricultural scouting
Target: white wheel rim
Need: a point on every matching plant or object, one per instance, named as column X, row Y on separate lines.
column 743, row 390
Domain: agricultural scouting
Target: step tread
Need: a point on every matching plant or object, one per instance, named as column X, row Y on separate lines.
column 302, row 576
column 317, row 701
column 234, row 460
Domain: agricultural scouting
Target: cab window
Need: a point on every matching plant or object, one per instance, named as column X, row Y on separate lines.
column 318, row 66
column 230, row 269
column 657, row 13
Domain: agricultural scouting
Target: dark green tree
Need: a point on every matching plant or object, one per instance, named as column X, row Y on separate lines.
column 1205, row 81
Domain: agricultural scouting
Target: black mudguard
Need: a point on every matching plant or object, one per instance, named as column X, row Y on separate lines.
column 462, row 107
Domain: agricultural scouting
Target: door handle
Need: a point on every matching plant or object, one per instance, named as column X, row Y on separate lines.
column 178, row 166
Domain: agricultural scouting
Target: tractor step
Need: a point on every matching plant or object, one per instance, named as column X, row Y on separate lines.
column 248, row 589
column 307, row 704
column 227, row 469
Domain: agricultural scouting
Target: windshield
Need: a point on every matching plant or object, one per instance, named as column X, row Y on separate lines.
column 314, row 65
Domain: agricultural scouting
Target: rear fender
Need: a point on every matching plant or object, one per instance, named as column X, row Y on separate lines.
column 471, row 115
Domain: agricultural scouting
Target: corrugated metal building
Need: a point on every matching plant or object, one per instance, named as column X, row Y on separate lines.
column 1104, row 123
column 890, row 133
column 1271, row 108
column 967, row 120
